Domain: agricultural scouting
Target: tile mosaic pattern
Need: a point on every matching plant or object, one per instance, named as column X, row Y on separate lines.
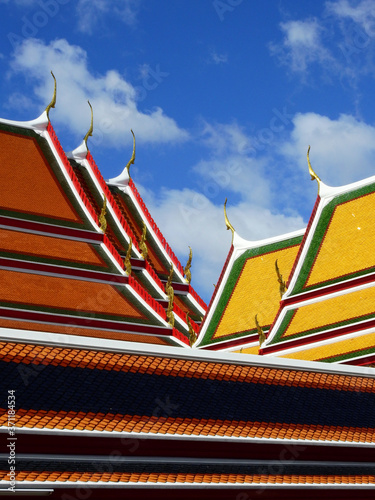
column 177, row 472
column 251, row 288
column 81, row 389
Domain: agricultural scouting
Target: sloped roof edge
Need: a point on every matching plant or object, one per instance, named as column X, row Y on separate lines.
column 124, row 347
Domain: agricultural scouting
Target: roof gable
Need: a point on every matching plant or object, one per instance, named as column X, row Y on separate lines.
column 249, row 288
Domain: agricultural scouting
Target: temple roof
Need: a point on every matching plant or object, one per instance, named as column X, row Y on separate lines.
column 54, row 245
column 170, row 392
column 248, row 287
column 327, row 311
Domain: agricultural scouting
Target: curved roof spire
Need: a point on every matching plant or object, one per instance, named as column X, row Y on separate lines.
column 311, row 171
column 132, row 159
column 53, row 101
column 122, row 180
column 80, row 153
column 227, row 223
column 90, row 130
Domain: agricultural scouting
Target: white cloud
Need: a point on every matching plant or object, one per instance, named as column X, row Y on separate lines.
column 195, row 216
column 18, row 101
column 342, row 150
column 187, row 217
column 113, row 98
column 362, row 13
column 229, row 168
column 91, row 11
column 261, row 203
column 302, row 45
column 217, row 58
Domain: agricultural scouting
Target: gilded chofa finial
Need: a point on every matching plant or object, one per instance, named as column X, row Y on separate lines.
column 311, row 171
column 280, row 280
column 89, row 132
column 188, row 266
column 227, row 223
column 127, row 261
column 53, row 102
column 192, row 335
column 102, row 219
column 170, row 293
column 142, row 244
column 262, row 337
column 132, row 159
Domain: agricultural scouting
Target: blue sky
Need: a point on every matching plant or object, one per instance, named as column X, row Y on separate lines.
column 224, row 97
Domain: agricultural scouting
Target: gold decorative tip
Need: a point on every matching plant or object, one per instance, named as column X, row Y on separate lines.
column 280, row 280
column 188, row 266
column 53, row 102
column 127, row 261
column 132, row 159
column 142, row 244
column 102, row 219
column 311, row 171
column 192, row 335
column 262, row 337
column 170, row 293
column 90, row 131
column 227, row 223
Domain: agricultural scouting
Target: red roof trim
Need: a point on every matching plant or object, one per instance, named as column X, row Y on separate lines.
column 49, row 229
column 153, row 275
column 318, row 337
column 48, row 269
column 232, row 343
column 70, row 172
column 200, row 301
column 110, row 199
column 86, row 322
column 155, row 228
column 328, row 290
column 147, row 297
column 180, row 336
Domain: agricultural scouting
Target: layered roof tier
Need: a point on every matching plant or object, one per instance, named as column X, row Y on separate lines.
column 183, row 407
column 64, row 236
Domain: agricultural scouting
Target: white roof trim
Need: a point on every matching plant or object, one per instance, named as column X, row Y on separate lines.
column 121, row 181
column 313, row 300
column 79, row 155
column 123, row 347
column 237, row 252
column 150, row 230
column 39, row 124
column 87, row 485
column 187, row 437
column 327, row 194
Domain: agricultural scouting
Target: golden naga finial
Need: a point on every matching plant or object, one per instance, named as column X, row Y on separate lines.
column 127, row 262
column 170, row 292
column 142, row 244
column 311, row 171
column 53, row 102
column 188, row 266
column 89, row 132
column 262, row 337
column 132, row 159
column 102, row 219
column 227, row 223
column 280, row 280
column 192, row 335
